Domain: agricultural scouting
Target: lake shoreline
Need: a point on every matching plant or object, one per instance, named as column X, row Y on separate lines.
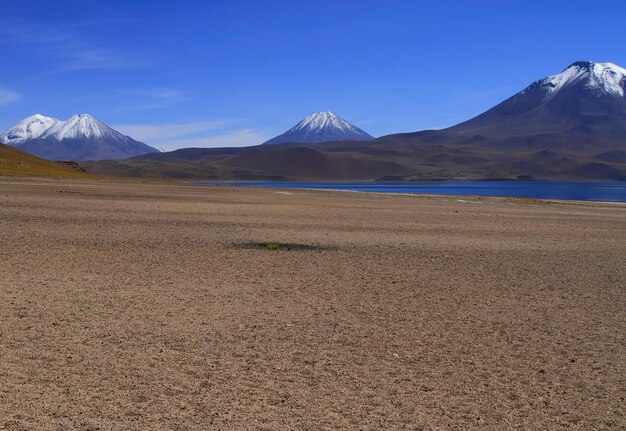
column 583, row 191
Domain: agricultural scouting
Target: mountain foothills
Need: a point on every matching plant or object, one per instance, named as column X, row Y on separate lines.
column 571, row 125
column 16, row 162
column 82, row 137
column 322, row 127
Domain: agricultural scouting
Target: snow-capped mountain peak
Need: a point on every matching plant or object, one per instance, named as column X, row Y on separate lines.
column 29, row 128
column 322, row 127
column 601, row 78
column 323, row 120
column 82, row 137
column 586, row 94
column 80, row 126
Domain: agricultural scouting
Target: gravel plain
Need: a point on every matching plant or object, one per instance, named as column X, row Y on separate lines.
column 129, row 306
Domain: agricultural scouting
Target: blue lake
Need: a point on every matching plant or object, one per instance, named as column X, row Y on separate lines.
column 569, row 190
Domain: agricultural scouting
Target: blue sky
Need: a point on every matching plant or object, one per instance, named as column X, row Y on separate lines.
column 221, row 73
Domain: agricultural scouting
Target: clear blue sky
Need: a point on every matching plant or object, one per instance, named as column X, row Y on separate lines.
column 210, row 73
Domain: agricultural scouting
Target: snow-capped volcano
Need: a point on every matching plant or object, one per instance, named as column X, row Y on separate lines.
column 82, row 137
column 584, row 94
column 29, row 128
column 322, row 127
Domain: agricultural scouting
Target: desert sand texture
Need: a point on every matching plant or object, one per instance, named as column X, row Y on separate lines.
column 130, row 306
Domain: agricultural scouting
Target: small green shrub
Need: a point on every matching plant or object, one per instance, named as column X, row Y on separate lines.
column 272, row 246
column 80, row 302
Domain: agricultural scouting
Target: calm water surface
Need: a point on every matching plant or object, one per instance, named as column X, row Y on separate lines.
column 585, row 191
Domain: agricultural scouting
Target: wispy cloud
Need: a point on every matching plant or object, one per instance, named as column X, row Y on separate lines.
column 84, row 59
column 206, row 134
column 154, row 98
column 164, row 132
column 236, row 138
column 24, row 33
column 164, row 93
column 8, row 96
column 68, row 51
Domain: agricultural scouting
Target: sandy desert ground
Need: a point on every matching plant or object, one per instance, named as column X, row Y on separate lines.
column 153, row 307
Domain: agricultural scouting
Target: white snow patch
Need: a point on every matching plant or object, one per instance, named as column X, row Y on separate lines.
column 325, row 120
column 29, row 128
column 77, row 127
column 603, row 77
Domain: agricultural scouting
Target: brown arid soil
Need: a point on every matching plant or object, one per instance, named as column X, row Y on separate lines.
column 15, row 162
column 157, row 307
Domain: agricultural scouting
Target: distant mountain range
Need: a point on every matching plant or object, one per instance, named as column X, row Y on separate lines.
column 82, row 137
column 571, row 125
column 322, row 127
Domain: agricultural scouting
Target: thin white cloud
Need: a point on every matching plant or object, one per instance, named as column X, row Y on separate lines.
column 85, row 59
column 158, row 133
column 155, row 98
column 23, row 33
column 8, row 96
column 236, row 138
column 64, row 48
column 163, row 93
column 205, row 134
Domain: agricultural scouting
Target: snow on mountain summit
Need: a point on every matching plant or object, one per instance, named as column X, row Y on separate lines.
column 40, row 126
column 604, row 78
column 82, row 137
column 585, row 96
column 323, row 120
column 322, row 127
column 80, row 126
column 29, row 128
